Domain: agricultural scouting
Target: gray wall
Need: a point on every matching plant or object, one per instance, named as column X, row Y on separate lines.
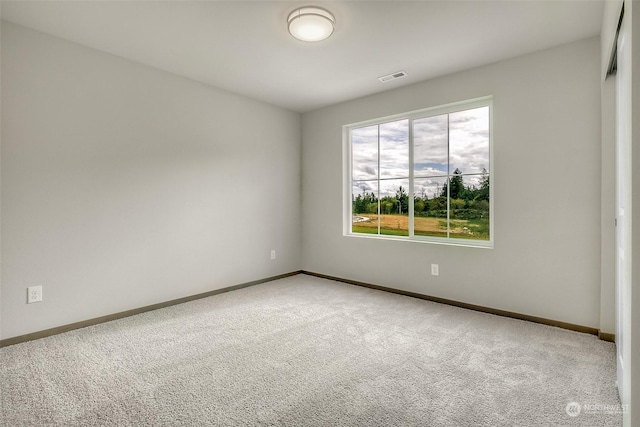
column 547, row 153
column 124, row 186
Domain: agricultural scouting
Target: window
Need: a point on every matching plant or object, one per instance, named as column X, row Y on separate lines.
column 422, row 176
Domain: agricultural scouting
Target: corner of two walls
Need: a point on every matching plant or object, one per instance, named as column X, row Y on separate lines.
column 125, row 186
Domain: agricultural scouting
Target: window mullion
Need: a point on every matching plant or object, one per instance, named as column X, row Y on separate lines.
column 448, row 178
column 378, row 135
column 411, row 192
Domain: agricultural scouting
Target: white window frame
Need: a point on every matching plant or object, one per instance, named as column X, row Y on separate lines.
column 486, row 101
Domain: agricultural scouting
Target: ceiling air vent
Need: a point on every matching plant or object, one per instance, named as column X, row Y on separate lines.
column 393, row 76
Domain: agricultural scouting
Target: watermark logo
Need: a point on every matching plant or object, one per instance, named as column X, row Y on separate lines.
column 573, row 409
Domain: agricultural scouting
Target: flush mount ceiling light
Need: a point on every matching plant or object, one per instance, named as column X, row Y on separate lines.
column 311, row 24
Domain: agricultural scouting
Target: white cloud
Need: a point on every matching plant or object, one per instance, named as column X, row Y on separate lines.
column 394, row 149
column 469, row 140
column 466, row 145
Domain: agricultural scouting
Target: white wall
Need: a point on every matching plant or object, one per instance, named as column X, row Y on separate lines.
column 547, row 153
column 124, row 186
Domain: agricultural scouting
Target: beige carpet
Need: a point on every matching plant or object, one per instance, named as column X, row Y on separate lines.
column 304, row 351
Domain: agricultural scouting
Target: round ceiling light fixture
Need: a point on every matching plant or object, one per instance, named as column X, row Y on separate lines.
column 311, row 24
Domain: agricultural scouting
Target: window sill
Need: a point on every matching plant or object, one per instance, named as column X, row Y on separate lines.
column 480, row 244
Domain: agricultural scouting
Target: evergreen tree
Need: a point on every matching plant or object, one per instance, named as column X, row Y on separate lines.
column 403, row 200
column 483, row 191
column 457, row 186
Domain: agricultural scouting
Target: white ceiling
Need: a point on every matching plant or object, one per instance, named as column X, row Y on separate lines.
column 244, row 47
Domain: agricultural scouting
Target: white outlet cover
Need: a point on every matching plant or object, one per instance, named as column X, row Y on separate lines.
column 34, row 294
column 435, row 271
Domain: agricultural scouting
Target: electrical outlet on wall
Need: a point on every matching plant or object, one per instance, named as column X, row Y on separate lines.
column 273, row 254
column 34, row 294
column 435, row 270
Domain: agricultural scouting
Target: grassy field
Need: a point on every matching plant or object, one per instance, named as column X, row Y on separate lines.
column 398, row 225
